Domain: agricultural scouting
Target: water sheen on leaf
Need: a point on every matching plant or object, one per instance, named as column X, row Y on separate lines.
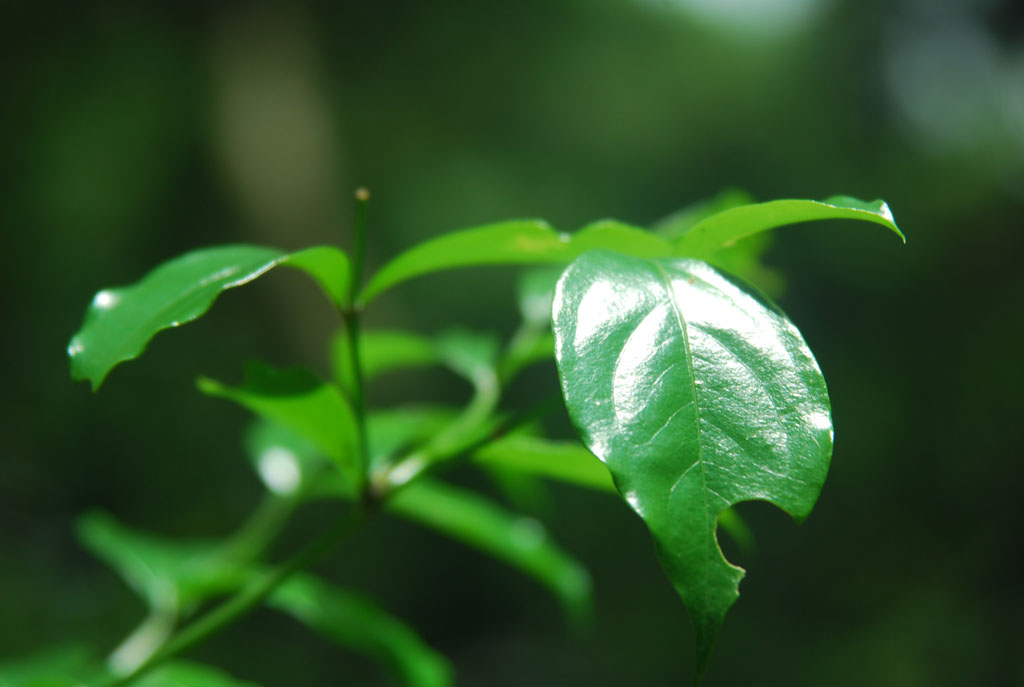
column 120, row 322
column 697, row 396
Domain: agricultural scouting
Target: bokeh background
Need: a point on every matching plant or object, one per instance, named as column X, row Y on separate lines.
column 131, row 132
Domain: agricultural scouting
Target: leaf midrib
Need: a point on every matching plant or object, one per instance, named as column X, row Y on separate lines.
column 695, row 394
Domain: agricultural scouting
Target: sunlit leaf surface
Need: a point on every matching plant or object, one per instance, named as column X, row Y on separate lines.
column 120, row 322
column 720, row 230
column 697, row 396
column 517, row 540
column 517, row 242
column 355, row 622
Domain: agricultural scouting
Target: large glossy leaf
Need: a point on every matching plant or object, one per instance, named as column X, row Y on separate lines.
column 697, row 396
column 120, row 322
column 519, row 541
column 720, row 230
column 296, row 399
column 357, row 623
column 511, row 243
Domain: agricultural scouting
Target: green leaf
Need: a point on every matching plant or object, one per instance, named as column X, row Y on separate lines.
column 720, row 230
column 357, row 623
column 66, row 666
column 697, row 396
column 392, row 430
column 297, row 400
column 288, row 463
column 517, row 242
column 190, row 674
column 120, row 322
column 678, row 223
column 534, row 293
column 519, row 541
column 382, row 351
column 565, row 461
column 168, row 574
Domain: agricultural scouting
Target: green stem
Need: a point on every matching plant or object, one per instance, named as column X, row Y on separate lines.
column 423, row 460
column 245, row 600
column 352, row 316
column 260, row 529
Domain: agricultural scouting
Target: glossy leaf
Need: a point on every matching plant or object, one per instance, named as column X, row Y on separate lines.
column 518, row 242
column 166, row 573
column 720, row 230
column 296, row 399
column 697, row 396
column 120, row 322
column 355, row 622
column 519, row 541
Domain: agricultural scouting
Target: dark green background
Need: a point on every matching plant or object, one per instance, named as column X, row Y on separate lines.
column 130, row 133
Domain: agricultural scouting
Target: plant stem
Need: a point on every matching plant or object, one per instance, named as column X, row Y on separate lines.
column 245, row 600
column 424, row 460
column 352, row 316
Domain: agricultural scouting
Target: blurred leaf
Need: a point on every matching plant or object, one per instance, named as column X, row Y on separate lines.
column 357, row 623
column 120, row 322
column 469, row 354
column 519, row 541
column 381, row 351
column 189, row 674
column 696, row 396
column 569, row 462
column 719, row 231
column 743, row 259
column 534, row 293
column 296, row 399
column 75, row 667
column 389, row 431
column 511, row 243
column 678, row 223
column 565, row 461
column 287, row 462
column 167, row 573
column 67, row 666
